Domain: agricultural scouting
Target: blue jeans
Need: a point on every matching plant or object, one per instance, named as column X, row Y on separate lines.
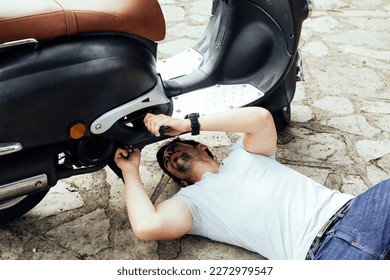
column 364, row 231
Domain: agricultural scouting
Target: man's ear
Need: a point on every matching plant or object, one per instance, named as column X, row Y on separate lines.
column 202, row 147
column 184, row 183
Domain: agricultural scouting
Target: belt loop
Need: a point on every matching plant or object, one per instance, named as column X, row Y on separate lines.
column 317, row 242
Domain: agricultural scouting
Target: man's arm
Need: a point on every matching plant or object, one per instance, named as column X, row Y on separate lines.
column 169, row 220
column 256, row 124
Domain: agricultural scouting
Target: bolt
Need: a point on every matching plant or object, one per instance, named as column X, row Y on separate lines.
column 98, row 126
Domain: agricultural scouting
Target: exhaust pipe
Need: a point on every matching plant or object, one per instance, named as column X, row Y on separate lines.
column 25, row 173
column 23, row 187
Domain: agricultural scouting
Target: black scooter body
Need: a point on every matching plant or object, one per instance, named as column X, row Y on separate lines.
column 70, row 80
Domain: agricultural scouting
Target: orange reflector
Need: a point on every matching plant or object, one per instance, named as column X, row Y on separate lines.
column 77, row 131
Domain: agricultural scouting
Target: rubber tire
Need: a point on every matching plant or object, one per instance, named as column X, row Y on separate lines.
column 21, row 207
column 282, row 118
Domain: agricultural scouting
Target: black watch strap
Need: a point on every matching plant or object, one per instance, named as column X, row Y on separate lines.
column 195, row 126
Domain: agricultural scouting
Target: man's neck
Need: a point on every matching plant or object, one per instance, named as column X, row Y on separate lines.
column 201, row 167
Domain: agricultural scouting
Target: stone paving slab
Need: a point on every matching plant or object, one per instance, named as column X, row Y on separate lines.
column 339, row 136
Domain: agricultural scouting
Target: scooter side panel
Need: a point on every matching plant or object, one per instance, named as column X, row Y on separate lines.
column 44, row 92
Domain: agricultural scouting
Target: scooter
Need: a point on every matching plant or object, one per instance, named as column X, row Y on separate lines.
column 78, row 77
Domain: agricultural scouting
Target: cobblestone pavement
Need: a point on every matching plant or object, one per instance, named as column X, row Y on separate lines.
column 339, row 136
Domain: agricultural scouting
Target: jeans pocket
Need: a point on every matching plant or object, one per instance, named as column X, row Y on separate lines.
column 354, row 239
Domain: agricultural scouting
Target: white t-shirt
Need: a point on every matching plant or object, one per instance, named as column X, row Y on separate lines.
column 259, row 204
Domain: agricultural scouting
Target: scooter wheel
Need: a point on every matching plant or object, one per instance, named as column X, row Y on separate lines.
column 11, row 209
column 282, row 118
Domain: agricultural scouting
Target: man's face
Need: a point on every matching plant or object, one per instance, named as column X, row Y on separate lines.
column 179, row 158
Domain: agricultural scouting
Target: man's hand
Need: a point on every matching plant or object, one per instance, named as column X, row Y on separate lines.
column 171, row 219
column 177, row 126
column 128, row 160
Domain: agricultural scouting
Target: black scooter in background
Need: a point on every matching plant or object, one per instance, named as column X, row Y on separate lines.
column 78, row 77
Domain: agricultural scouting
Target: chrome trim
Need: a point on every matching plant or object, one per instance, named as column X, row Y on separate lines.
column 154, row 97
column 19, row 43
column 9, row 148
column 23, row 187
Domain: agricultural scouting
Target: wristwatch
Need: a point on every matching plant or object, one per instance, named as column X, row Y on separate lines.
column 195, row 126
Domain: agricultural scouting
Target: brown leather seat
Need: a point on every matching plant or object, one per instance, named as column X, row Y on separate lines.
column 44, row 19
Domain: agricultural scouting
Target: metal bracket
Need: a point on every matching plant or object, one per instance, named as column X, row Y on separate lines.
column 154, row 97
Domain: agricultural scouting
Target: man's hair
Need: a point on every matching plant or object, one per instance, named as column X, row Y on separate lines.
column 161, row 150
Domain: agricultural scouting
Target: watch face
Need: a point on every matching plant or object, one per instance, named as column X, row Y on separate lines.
column 192, row 115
